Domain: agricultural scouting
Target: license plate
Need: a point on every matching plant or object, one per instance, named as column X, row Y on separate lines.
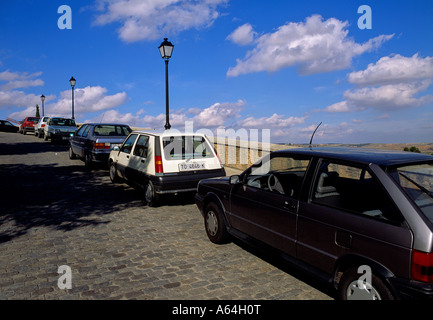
column 188, row 166
column 65, row 138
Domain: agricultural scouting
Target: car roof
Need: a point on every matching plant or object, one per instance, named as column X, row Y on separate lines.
column 380, row 157
column 105, row 124
column 167, row 133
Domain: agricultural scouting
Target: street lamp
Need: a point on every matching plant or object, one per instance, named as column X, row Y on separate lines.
column 43, row 99
column 72, row 82
column 166, row 49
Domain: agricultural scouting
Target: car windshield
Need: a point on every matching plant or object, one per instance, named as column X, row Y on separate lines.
column 417, row 182
column 186, row 147
column 62, row 122
column 112, row 130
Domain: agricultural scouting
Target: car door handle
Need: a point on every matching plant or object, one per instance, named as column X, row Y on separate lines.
column 289, row 205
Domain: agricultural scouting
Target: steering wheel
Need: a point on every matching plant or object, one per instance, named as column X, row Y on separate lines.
column 274, row 184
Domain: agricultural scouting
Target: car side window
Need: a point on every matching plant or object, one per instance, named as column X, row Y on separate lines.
column 86, row 131
column 353, row 189
column 80, row 132
column 128, row 144
column 142, row 146
column 280, row 174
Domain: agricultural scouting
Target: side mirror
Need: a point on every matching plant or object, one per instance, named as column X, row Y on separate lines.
column 234, row 180
column 116, row 149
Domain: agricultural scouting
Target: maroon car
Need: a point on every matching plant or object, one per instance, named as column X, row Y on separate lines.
column 28, row 125
column 361, row 219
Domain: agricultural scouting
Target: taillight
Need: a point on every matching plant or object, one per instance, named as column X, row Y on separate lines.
column 99, row 145
column 422, row 266
column 158, row 165
column 42, row 125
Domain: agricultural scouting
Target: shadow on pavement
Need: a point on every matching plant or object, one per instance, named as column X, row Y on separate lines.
column 62, row 197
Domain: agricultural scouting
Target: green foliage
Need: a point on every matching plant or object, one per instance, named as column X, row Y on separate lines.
column 412, row 149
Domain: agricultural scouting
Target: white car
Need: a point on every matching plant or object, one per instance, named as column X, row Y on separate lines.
column 39, row 127
column 167, row 162
column 59, row 129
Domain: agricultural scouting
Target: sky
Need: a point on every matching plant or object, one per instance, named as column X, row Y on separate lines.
column 364, row 69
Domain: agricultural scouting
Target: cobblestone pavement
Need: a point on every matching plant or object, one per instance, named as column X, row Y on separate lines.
column 54, row 212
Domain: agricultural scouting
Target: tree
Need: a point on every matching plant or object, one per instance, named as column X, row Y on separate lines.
column 37, row 111
column 412, row 149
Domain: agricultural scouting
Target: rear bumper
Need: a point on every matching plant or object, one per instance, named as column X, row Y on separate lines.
column 408, row 289
column 183, row 182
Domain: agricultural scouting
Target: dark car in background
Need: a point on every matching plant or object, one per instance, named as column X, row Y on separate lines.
column 6, row 126
column 28, row 125
column 361, row 219
column 94, row 141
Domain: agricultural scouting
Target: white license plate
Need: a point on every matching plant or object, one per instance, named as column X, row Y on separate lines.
column 188, row 166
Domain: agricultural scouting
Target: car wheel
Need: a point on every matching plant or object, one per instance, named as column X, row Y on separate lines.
column 113, row 173
column 215, row 225
column 350, row 289
column 72, row 154
column 151, row 197
column 88, row 160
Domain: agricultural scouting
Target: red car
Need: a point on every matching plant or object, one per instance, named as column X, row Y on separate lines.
column 28, row 125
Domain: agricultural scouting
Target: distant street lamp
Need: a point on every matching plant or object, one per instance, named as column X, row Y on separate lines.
column 166, row 49
column 43, row 99
column 72, row 82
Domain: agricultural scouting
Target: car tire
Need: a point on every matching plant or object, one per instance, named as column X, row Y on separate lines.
column 215, row 225
column 114, row 177
column 151, row 197
column 72, row 155
column 88, row 163
column 348, row 288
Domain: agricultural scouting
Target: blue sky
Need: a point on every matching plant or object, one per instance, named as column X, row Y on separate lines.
column 241, row 64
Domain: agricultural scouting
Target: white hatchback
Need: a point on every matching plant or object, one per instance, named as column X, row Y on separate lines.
column 166, row 162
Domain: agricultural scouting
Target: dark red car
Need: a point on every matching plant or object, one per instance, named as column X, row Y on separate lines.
column 28, row 125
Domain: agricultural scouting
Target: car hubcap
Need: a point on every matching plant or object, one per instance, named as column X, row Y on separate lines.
column 112, row 172
column 149, row 193
column 212, row 223
column 355, row 292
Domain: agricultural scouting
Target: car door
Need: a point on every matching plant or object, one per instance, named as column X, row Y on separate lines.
column 264, row 206
column 124, row 156
column 139, row 161
column 76, row 141
column 348, row 212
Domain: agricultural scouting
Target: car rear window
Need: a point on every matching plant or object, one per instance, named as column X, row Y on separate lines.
column 112, row 130
column 62, row 122
column 186, row 147
column 417, row 182
column 33, row 119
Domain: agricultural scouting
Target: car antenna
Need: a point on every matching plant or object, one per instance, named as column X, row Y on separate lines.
column 311, row 140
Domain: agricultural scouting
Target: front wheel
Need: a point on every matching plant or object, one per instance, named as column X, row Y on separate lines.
column 215, row 225
column 71, row 154
column 113, row 173
column 353, row 288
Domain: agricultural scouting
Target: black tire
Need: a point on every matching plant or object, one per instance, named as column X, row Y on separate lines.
column 151, row 197
column 348, row 288
column 88, row 162
column 72, row 155
column 215, row 224
column 114, row 177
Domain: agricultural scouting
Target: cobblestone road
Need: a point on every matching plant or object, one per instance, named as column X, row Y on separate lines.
column 54, row 212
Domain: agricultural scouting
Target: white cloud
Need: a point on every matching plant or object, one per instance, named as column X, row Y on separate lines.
column 148, row 20
column 243, row 35
column 17, row 80
column 394, row 69
column 315, row 46
column 392, row 83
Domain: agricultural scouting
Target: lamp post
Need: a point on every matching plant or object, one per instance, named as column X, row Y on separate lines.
column 72, row 82
column 166, row 49
column 43, row 99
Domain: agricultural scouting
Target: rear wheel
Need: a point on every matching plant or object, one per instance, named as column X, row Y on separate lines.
column 151, row 197
column 215, row 225
column 351, row 288
column 88, row 162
